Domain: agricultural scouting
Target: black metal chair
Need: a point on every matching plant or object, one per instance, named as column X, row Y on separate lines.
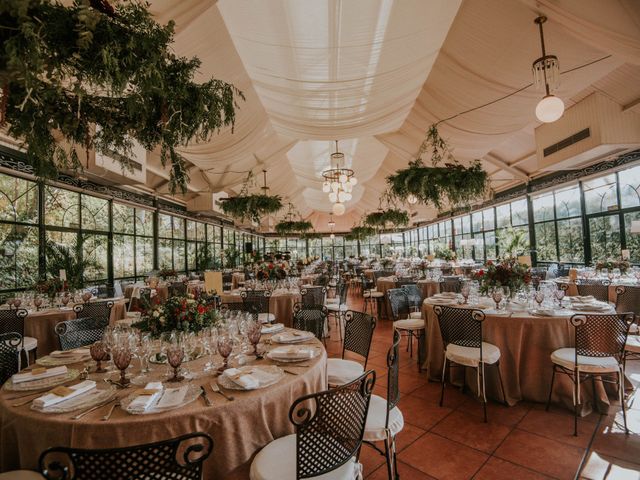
column 310, row 318
column 358, row 334
column 404, row 281
column 464, row 346
column 404, row 320
column 313, row 295
column 12, row 321
column 598, row 289
column 177, row 458
column 105, row 291
column 97, row 310
column 321, row 280
column 414, row 294
column 256, row 302
column 10, row 347
column 80, row 332
column 384, row 420
column 450, row 284
column 628, row 300
column 227, row 281
column 337, row 305
column 329, row 429
column 599, row 350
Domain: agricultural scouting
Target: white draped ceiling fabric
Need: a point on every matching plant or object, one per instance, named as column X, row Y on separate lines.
column 375, row 74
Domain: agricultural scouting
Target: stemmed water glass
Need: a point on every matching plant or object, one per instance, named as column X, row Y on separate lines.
column 99, row 353
column 122, row 355
column 254, row 333
column 37, row 302
column 17, row 301
column 175, row 355
column 64, row 299
column 497, row 295
column 559, row 294
column 539, row 297
column 225, row 346
column 465, row 291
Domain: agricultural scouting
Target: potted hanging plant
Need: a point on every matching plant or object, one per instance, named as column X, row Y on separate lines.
column 290, row 227
column 360, row 232
column 444, row 181
column 251, row 206
column 391, row 217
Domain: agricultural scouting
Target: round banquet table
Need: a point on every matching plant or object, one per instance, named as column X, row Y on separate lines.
column 429, row 287
column 236, row 279
column 526, row 343
column 280, row 304
column 41, row 324
column 382, row 285
column 239, row 428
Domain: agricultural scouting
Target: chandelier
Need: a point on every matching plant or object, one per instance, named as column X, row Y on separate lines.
column 338, row 182
column 546, row 74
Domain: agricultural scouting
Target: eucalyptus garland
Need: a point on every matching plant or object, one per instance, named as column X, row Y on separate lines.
column 252, row 207
column 360, row 232
column 292, row 227
column 436, row 184
column 385, row 218
column 94, row 76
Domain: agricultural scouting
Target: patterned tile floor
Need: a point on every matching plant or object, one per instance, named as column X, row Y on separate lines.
column 520, row 442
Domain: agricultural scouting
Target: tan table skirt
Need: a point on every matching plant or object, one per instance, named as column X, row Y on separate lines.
column 236, row 279
column 280, row 305
column 382, row 285
column 572, row 291
column 525, row 343
column 429, row 288
column 41, row 325
column 239, row 429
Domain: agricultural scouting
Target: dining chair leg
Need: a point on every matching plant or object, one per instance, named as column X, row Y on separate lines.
column 444, row 375
column 504, row 395
column 553, row 377
column 624, row 408
column 483, row 392
column 576, row 401
column 387, row 455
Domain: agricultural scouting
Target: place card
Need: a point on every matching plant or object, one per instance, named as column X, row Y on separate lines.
column 62, row 391
column 38, row 371
column 147, row 391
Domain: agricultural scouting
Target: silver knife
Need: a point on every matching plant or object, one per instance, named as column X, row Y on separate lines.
column 203, row 393
column 100, row 405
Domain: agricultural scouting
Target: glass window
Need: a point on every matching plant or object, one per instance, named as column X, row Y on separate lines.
column 94, row 252
column 123, row 256
column 144, row 255
column 568, row 202
column 62, row 208
column 191, row 230
column 570, row 240
column 503, row 215
column 519, row 212
column 633, row 239
column 164, row 226
column 488, row 218
column 600, row 194
column 144, row 222
column 630, row 187
column 95, row 213
column 165, row 253
column 18, row 200
column 605, row 237
column 178, row 227
column 543, row 207
column 476, row 218
column 18, row 256
column 546, row 242
column 123, row 218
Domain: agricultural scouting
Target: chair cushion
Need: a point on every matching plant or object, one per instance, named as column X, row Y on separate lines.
column 633, row 344
column 565, row 357
column 266, row 317
column 277, row 461
column 331, row 300
column 341, row 371
column 21, row 475
column 470, row 356
column 415, row 315
column 374, row 429
column 373, row 294
column 334, row 307
column 30, row 343
column 409, row 324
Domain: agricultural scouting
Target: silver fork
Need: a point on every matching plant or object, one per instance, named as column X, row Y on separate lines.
column 110, row 412
column 216, row 389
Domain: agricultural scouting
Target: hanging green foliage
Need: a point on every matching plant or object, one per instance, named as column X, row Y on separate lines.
column 287, row 227
column 387, row 218
column 252, row 207
column 435, row 185
column 360, row 232
column 91, row 76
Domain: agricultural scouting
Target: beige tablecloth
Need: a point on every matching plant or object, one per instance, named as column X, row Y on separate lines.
column 525, row 343
column 382, row 285
column 429, row 287
column 41, row 325
column 239, row 429
column 280, row 304
column 573, row 290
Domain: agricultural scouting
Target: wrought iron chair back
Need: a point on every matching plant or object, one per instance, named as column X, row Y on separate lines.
column 10, row 346
column 105, row 291
column 450, row 284
column 379, row 274
column 321, row 281
column 313, row 295
column 460, row 326
column 399, row 303
column 13, row 320
column 341, row 292
column 367, row 283
column 256, row 301
column 330, row 426
column 80, row 332
column 310, row 318
column 393, row 375
column 177, row 458
column 628, row 299
column 598, row 289
column 177, row 289
column 358, row 333
column 402, row 281
column 414, row 294
column 97, row 310
column 601, row 335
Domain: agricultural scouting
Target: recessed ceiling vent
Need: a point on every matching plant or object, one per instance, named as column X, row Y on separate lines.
column 590, row 131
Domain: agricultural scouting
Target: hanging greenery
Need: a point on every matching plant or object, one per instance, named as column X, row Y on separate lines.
column 387, row 218
column 286, row 227
column 251, row 206
column 95, row 76
column 451, row 182
column 360, row 232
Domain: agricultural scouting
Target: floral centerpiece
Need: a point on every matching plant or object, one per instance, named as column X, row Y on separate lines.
column 178, row 313
column 507, row 272
column 271, row 271
column 49, row 287
column 445, row 253
column 622, row 265
column 167, row 273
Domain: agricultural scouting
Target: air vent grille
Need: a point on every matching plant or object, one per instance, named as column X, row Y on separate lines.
column 575, row 138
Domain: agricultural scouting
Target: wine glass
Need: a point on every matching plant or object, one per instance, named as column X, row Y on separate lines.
column 86, row 296
column 539, row 297
column 497, row 295
column 17, row 301
column 64, row 299
column 145, row 351
column 254, row 333
column 37, row 302
column 559, row 294
column 465, row 291
column 122, row 359
column 225, row 346
column 98, row 351
column 175, row 355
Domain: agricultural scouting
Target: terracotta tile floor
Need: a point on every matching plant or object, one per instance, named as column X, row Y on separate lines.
column 521, row 442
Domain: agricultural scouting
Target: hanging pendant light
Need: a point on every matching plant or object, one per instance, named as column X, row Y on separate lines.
column 338, row 209
column 331, row 223
column 546, row 73
column 412, row 199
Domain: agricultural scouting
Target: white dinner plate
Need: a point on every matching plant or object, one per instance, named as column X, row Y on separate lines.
column 193, row 392
column 299, row 337
column 71, row 374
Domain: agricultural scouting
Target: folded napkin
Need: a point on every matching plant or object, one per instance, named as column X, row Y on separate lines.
column 147, row 397
column 245, row 380
column 293, row 336
column 61, row 394
column 39, row 374
column 586, row 298
column 173, row 397
column 291, row 352
column 276, row 327
column 69, row 353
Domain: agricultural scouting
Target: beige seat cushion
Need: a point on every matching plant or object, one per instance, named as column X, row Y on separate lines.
column 565, row 357
column 374, row 429
column 470, row 356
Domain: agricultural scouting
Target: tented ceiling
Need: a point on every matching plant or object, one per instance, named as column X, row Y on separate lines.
column 375, row 74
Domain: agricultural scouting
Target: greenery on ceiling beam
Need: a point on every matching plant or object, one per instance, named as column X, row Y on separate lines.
column 287, row 227
column 360, row 232
column 391, row 217
column 252, row 207
column 445, row 181
column 95, row 76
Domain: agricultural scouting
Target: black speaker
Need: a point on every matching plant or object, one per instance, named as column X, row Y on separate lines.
column 248, row 247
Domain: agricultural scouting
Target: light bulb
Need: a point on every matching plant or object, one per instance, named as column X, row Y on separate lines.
column 338, row 209
column 333, row 197
column 341, row 195
column 326, row 187
column 549, row 109
column 343, row 178
column 412, row 199
column 332, row 236
column 335, row 186
column 347, row 196
column 348, row 188
column 354, row 181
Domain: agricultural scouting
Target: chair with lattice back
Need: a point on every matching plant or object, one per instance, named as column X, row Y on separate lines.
column 97, row 310
column 464, row 346
column 329, row 429
column 337, row 305
column 358, row 333
column 177, row 289
column 10, row 347
column 310, row 318
column 450, row 284
column 385, row 420
column 177, row 458
column 414, row 295
column 598, row 289
column 12, row 321
column 256, row 302
column 80, row 332
column 628, row 299
column 407, row 322
column 599, row 344
column 313, row 295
